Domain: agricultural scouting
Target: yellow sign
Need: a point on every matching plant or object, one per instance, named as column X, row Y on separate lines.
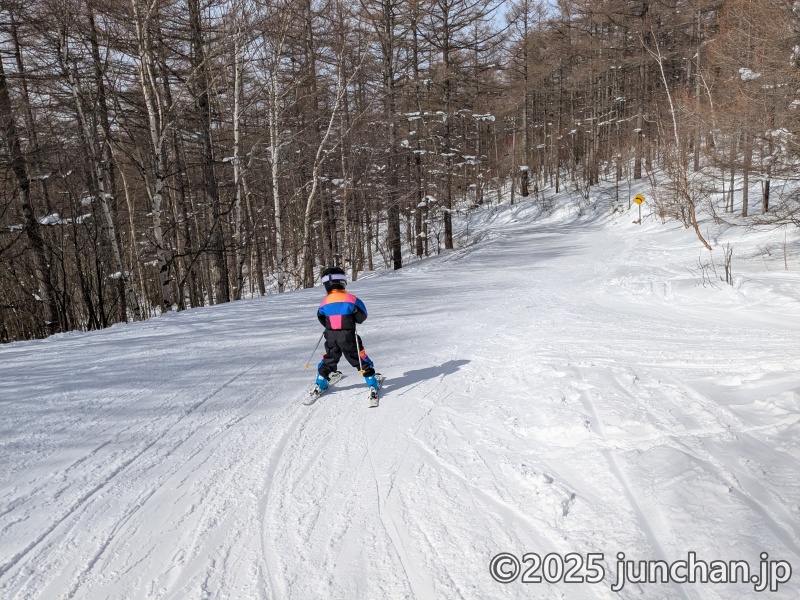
column 638, row 198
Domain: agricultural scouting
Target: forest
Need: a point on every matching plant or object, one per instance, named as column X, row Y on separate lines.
column 159, row 155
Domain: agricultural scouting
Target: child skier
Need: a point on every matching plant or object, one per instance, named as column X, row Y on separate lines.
column 339, row 312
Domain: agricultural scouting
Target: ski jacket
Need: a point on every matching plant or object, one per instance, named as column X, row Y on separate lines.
column 340, row 310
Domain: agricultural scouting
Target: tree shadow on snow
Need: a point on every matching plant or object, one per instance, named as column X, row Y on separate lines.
column 410, row 378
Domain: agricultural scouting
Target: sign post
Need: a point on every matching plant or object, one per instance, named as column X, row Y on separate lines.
column 638, row 198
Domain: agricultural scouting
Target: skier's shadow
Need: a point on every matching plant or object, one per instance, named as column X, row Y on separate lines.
column 412, row 377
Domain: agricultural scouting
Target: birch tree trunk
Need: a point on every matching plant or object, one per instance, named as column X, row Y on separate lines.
column 681, row 167
column 157, row 126
column 275, row 122
column 275, row 156
column 239, row 244
column 307, row 262
column 386, row 34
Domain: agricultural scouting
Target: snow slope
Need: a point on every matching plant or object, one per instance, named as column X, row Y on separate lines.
column 564, row 384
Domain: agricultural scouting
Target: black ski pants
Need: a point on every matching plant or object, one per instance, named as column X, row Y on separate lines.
column 343, row 342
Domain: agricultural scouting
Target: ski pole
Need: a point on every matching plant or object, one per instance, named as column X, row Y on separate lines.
column 314, row 352
column 360, row 366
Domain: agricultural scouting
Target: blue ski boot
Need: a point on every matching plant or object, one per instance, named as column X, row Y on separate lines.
column 321, row 383
column 374, row 385
column 372, row 382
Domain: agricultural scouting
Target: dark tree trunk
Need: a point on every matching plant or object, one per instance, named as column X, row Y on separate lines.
column 210, row 185
column 20, row 168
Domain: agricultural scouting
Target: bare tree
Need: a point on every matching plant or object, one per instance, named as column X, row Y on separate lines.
column 19, row 166
column 145, row 16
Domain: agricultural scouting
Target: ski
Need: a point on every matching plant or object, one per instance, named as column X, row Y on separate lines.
column 375, row 394
column 314, row 395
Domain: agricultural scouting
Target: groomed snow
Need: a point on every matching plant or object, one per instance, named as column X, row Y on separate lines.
column 562, row 384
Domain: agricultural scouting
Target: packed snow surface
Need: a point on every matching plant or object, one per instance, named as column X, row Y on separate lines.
column 560, row 384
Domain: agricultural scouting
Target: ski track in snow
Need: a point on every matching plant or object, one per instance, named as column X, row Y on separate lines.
column 550, row 388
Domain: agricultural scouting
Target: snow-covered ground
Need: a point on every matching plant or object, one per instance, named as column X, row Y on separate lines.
column 562, row 385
